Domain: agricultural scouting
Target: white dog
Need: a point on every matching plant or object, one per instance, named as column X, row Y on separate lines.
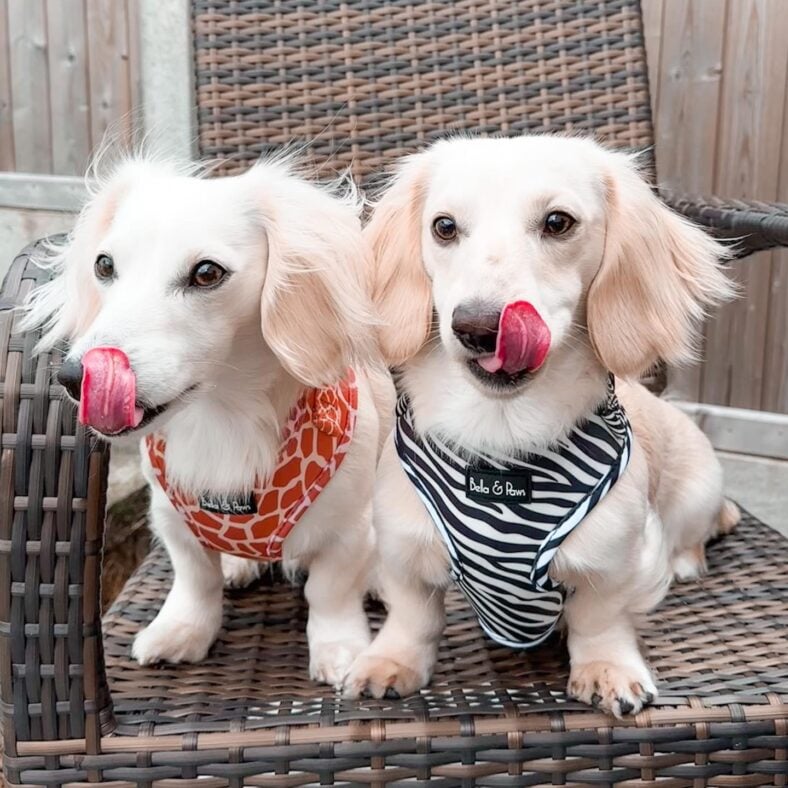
column 220, row 319
column 513, row 276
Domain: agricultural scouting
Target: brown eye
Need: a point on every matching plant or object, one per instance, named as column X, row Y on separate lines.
column 104, row 268
column 444, row 228
column 206, row 274
column 558, row 223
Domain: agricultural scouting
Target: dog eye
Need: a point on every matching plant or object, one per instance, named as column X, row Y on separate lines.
column 104, row 268
column 206, row 274
column 444, row 228
column 558, row 223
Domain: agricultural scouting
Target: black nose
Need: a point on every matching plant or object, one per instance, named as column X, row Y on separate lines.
column 70, row 377
column 476, row 326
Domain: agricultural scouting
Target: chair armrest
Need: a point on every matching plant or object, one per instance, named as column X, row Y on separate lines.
column 753, row 226
column 53, row 479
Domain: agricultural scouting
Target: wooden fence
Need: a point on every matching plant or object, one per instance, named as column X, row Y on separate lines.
column 70, row 68
column 719, row 74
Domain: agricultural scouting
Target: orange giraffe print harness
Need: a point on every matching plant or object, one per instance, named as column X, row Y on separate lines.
column 315, row 439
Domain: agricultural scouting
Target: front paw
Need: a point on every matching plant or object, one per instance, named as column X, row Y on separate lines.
column 167, row 640
column 616, row 689
column 329, row 662
column 385, row 677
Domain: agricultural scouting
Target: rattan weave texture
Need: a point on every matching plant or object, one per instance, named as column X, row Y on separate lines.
column 364, row 81
column 367, row 81
column 752, row 225
column 52, row 494
column 248, row 715
column 491, row 714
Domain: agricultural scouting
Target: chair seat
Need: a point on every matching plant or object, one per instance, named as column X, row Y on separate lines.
column 490, row 713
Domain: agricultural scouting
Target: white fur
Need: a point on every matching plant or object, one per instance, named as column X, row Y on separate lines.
column 233, row 361
column 656, row 272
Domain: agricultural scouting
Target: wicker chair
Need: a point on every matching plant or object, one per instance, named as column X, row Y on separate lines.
column 368, row 80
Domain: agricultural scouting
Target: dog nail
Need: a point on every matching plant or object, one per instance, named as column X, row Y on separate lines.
column 391, row 694
column 625, row 706
column 649, row 697
column 596, row 699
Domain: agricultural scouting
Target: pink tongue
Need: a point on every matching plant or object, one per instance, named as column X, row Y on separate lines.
column 109, row 391
column 523, row 340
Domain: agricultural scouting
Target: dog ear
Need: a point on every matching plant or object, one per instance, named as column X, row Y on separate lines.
column 658, row 276
column 315, row 312
column 401, row 290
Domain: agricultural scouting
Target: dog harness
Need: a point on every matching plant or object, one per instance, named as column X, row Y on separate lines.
column 315, row 439
column 504, row 518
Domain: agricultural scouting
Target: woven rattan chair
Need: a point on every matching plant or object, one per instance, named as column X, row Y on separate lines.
column 368, row 80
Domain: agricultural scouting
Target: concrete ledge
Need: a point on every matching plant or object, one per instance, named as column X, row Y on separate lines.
column 168, row 77
column 741, row 431
column 42, row 192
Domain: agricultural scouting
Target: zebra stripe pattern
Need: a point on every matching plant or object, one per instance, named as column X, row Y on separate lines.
column 500, row 549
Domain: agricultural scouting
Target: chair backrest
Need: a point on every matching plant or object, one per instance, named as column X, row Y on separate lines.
column 364, row 81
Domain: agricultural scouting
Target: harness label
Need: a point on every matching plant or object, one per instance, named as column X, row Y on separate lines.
column 229, row 504
column 491, row 484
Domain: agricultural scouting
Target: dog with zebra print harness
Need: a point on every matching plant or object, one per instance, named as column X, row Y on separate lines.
column 523, row 285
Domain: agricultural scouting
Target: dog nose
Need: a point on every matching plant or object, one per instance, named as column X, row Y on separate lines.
column 476, row 326
column 70, row 377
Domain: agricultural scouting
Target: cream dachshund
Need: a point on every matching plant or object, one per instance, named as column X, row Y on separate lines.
column 523, row 285
column 226, row 323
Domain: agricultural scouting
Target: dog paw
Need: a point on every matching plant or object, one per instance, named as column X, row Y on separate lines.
column 329, row 662
column 617, row 689
column 382, row 677
column 240, row 572
column 690, row 564
column 172, row 641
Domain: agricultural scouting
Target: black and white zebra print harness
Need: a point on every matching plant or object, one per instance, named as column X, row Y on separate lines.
column 503, row 519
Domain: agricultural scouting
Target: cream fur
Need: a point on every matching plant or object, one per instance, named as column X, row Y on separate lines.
column 294, row 313
column 626, row 286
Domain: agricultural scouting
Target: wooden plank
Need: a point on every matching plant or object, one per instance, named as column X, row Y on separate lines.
column 753, row 95
column 110, row 89
column 6, row 118
column 653, row 11
column 29, row 85
column 690, row 80
column 686, row 124
column 68, row 86
column 775, row 383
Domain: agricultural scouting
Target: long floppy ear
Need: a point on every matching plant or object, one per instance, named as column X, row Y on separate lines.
column 659, row 275
column 401, row 290
column 67, row 304
column 315, row 312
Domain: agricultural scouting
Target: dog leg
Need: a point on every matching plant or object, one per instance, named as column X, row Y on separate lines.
column 191, row 616
column 402, row 657
column 607, row 669
column 337, row 628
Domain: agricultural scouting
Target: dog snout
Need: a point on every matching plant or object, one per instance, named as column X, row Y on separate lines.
column 476, row 326
column 70, row 377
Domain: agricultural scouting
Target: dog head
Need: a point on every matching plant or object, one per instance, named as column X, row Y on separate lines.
column 170, row 281
column 518, row 249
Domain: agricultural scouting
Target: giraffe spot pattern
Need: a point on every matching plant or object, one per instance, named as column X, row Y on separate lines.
column 315, row 440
